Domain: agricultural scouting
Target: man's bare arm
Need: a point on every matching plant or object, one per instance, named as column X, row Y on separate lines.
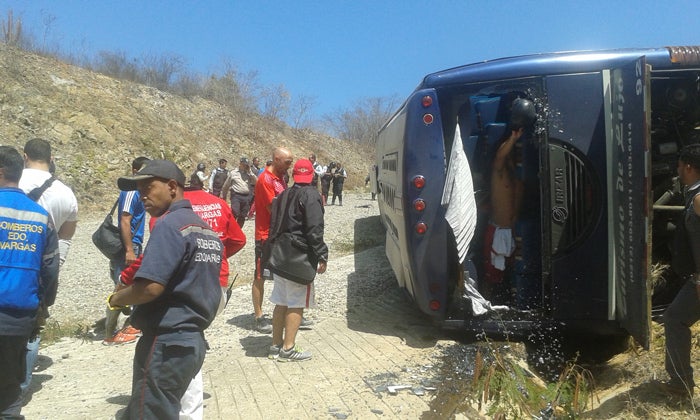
column 127, row 237
column 142, row 291
column 505, row 148
column 67, row 230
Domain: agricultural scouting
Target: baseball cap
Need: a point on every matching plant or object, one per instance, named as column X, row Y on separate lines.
column 303, row 171
column 244, row 160
column 152, row 169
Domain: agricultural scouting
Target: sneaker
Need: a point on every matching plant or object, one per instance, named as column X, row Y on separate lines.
column 131, row 331
column 263, row 325
column 306, row 324
column 121, row 338
column 274, row 352
column 294, row 354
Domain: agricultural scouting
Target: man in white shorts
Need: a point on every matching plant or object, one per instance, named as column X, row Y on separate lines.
column 304, row 219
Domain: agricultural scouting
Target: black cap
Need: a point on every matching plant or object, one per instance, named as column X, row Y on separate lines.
column 244, row 160
column 153, row 169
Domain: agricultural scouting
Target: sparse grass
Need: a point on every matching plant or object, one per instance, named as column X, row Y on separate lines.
column 54, row 331
column 503, row 387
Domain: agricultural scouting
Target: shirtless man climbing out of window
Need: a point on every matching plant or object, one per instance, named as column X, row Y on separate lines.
column 506, row 198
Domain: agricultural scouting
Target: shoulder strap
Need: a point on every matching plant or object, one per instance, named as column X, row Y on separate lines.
column 36, row 193
column 114, row 207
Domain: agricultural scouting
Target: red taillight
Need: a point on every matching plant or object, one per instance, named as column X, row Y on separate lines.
column 418, row 181
column 419, row 204
column 427, row 101
column 434, row 305
column 428, row 119
column 421, row 228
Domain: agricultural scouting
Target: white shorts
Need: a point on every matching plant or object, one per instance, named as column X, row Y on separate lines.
column 291, row 294
column 502, row 247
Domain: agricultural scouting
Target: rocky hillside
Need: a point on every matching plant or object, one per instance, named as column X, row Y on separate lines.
column 97, row 125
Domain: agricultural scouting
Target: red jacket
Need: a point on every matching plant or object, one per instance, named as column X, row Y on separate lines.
column 218, row 215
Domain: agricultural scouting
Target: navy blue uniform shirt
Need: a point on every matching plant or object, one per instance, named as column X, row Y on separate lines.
column 184, row 255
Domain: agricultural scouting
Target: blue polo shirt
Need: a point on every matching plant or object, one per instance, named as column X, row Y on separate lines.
column 184, row 255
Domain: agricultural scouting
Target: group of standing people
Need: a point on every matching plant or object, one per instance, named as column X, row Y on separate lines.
column 332, row 179
column 238, row 183
column 169, row 288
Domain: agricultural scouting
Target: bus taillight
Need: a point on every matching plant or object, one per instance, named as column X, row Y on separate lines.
column 427, row 101
column 419, row 204
column 428, row 119
column 435, row 305
column 421, row 228
column 418, row 181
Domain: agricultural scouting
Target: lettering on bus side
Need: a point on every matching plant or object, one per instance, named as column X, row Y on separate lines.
column 559, row 211
column 621, row 259
column 624, row 181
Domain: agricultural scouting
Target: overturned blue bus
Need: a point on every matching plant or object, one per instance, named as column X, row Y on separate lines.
column 597, row 175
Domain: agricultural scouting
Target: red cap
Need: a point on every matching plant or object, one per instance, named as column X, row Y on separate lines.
column 303, row 171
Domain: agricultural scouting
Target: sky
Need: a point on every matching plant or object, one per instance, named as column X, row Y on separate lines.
column 339, row 52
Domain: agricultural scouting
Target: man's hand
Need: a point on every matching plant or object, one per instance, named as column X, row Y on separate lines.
column 130, row 257
column 516, row 134
column 322, row 265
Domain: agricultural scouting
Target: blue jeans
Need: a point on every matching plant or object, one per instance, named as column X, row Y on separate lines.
column 683, row 312
column 32, row 354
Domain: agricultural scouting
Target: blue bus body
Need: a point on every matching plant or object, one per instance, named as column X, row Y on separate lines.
column 602, row 153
